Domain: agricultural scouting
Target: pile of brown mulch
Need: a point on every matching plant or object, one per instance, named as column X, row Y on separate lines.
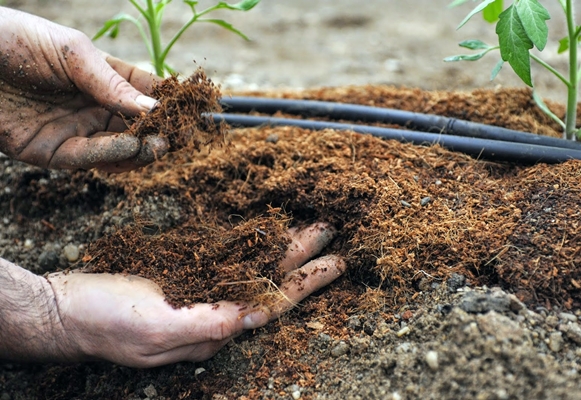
column 407, row 215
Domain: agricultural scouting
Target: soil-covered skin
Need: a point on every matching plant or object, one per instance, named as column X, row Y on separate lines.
column 400, row 324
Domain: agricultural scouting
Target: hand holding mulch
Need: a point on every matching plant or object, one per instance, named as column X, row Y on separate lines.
column 61, row 100
column 127, row 320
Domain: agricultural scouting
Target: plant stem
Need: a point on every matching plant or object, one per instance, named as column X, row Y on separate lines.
column 571, row 117
column 185, row 27
column 154, row 32
column 552, row 70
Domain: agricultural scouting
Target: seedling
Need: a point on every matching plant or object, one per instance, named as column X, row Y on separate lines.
column 521, row 27
column 152, row 12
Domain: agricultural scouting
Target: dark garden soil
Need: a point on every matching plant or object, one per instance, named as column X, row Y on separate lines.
column 425, row 233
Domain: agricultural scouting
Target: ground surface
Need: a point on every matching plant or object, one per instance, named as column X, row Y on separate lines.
column 401, row 324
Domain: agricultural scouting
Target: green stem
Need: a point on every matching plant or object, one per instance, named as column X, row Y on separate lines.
column 571, row 117
column 553, row 70
column 179, row 33
column 154, row 32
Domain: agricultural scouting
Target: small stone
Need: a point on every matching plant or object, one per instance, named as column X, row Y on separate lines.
column 572, row 330
column 425, row 201
column 150, row 391
column 405, row 203
column 340, row 350
column 432, row 360
column 438, row 182
column 396, row 396
column 455, row 282
column 296, row 395
column 28, row 244
column 354, row 323
column 568, row 317
column 199, row 371
column 272, row 138
column 48, row 260
column 71, row 252
column 552, row 321
column 556, row 341
column 477, row 302
column 403, row 331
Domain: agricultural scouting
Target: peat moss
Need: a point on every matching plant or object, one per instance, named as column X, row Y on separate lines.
column 182, row 113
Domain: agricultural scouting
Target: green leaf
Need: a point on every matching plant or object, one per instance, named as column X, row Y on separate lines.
column 492, row 11
column 515, row 43
column 533, row 17
column 111, row 27
column 496, row 69
column 543, row 106
column 478, row 8
column 243, row 5
column 466, row 57
column 225, row 25
column 474, row 44
column 563, row 45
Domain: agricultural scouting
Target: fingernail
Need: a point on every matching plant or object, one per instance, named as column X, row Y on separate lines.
column 146, row 102
column 255, row 320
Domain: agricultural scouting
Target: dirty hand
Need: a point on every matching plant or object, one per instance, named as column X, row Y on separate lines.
column 125, row 319
column 61, row 99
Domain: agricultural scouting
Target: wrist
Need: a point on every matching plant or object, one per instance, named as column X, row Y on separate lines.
column 30, row 326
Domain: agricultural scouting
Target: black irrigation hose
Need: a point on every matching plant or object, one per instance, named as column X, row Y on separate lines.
column 481, row 148
column 476, row 139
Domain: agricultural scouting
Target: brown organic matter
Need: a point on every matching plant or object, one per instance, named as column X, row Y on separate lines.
column 181, row 114
column 200, row 224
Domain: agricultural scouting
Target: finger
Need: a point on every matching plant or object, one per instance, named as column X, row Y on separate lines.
column 91, row 73
column 204, row 323
column 139, row 79
column 306, row 244
column 86, row 153
column 302, row 282
column 152, row 149
column 193, row 353
column 54, row 133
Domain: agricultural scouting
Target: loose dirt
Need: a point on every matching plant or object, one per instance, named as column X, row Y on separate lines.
column 376, row 331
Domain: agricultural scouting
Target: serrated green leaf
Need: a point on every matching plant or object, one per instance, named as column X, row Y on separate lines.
column 496, row 69
column 225, row 25
column 474, row 44
column 533, row 17
column 492, row 11
column 515, row 43
column 476, row 10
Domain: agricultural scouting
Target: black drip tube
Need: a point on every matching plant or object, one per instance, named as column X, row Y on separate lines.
column 478, row 140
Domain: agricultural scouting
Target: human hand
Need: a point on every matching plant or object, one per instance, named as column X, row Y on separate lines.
column 125, row 319
column 61, row 99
